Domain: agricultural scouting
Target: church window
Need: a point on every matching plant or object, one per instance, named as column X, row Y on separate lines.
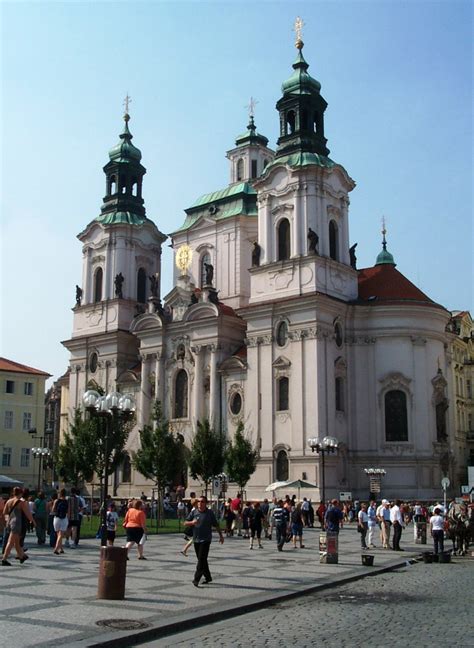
column 338, row 334
column 126, row 469
column 98, row 279
column 236, row 403
column 240, row 169
column 93, row 361
column 283, row 388
column 333, row 240
column 141, row 286
column 282, row 334
column 181, row 395
column 123, row 184
column 396, row 419
column 290, row 122
column 254, row 168
column 205, row 259
column 339, row 387
column 282, row 471
column 284, row 240
column 112, row 185
column 134, row 187
column 315, row 122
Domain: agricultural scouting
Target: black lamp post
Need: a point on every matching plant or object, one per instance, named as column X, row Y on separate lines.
column 323, row 446
column 113, row 408
column 41, row 452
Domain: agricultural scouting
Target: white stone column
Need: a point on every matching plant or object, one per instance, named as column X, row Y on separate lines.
column 265, row 230
column 296, row 229
column 344, row 242
column 197, row 383
column 159, row 379
column 144, row 411
column 214, row 389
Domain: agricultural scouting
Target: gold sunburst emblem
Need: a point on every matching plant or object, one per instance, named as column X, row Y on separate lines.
column 184, row 255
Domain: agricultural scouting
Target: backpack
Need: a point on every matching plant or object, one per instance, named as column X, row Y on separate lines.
column 61, row 509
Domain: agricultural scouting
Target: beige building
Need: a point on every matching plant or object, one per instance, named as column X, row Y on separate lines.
column 461, row 353
column 22, row 421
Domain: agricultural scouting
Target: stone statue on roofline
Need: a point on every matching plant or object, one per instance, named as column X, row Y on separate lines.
column 256, row 255
column 118, row 281
column 78, row 295
column 353, row 257
column 209, row 273
column 313, row 239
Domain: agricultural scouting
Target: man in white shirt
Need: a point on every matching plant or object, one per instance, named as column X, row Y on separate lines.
column 383, row 515
column 396, row 519
column 437, row 530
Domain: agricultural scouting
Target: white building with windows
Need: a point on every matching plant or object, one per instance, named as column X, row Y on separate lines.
column 21, row 413
column 269, row 320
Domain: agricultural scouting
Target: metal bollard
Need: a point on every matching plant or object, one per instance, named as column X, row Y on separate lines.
column 112, row 573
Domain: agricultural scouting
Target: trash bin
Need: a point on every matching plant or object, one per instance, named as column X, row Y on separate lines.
column 112, row 573
column 428, row 557
column 329, row 547
column 445, row 557
column 420, row 532
column 367, row 560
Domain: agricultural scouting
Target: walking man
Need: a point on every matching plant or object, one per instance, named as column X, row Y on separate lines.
column 397, row 522
column 203, row 521
column 280, row 519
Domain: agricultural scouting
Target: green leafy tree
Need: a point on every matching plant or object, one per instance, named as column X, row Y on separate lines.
column 160, row 457
column 241, row 458
column 76, row 454
column 207, row 456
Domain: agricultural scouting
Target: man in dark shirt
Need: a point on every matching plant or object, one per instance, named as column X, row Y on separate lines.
column 333, row 517
column 280, row 519
column 202, row 520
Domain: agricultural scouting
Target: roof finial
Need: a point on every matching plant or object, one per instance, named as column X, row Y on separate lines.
column 126, row 103
column 251, row 107
column 298, row 28
column 384, row 231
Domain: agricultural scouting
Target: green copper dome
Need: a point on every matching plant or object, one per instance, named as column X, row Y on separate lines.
column 300, row 82
column 125, row 151
column 251, row 136
column 384, row 257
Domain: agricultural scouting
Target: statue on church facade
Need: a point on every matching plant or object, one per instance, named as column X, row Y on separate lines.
column 155, row 284
column 256, row 255
column 353, row 257
column 313, row 239
column 78, row 295
column 209, row 273
column 118, row 281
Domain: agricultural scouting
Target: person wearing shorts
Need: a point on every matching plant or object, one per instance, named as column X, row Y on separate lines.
column 135, row 526
column 60, row 520
column 112, row 517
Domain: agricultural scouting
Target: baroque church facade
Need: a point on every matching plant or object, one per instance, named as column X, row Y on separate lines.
column 269, row 320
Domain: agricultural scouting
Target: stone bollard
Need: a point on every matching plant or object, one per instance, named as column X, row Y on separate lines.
column 112, row 573
column 329, row 548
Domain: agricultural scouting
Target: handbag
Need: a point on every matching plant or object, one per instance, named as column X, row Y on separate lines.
column 288, row 537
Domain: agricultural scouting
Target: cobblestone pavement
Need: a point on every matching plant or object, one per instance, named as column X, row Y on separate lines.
column 417, row 606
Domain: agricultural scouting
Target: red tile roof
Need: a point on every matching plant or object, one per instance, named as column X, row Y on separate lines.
column 384, row 283
column 10, row 365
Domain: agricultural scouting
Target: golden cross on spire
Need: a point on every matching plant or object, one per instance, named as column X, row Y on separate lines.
column 251, row 107
column 126, row 102
column 298, row 29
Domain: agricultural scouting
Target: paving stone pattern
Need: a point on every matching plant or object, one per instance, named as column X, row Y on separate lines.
column 53, row 598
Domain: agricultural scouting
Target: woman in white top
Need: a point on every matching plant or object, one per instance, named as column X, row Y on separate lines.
column 437, row 530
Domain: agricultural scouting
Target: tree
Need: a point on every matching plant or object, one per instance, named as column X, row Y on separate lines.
column 76, row 455
column 160, row 456
column 241, row 458
column 207, row 455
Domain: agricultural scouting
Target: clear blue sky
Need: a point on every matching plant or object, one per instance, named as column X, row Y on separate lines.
column 397, row 77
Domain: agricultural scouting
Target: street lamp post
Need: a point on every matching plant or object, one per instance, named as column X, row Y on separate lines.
column 113, row 408
column 41, row 452
column 327, row 445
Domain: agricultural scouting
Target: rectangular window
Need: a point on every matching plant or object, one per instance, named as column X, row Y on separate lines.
column 28, row 389
column 339, row 395
column 254, row 168
column 10, row 387
column 283, row 386
column 468, row 389
column 8, row 422
column 25, row 458
column 26, row 421
column 6, row 457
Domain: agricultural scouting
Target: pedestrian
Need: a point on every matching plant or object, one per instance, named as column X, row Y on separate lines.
column 236, row 505
column 397, row 523
column 256, row 518
column 41, row 518
column 135, row 527
column 14, row 509
column 320, row 513
column 229, row 518
column 60, row 521
column 437, row 530
column 265, row 508
column 189, row 538
column 246, row 520
column 203, row 520
column 363, row 524
column 372, row 523
column 297, row 526
column 3, row 501
column 73, row 519
column 111, row 524
column 50, row 530
column 271, row 508
column 333, row 517
column 280, row 519
column 305, row 512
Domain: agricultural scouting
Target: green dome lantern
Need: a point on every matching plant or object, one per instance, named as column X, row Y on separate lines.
column 125, row 151
column 384, row 257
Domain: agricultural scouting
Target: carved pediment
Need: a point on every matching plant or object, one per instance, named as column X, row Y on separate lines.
column 281, row 363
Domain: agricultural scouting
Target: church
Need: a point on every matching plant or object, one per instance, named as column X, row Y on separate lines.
column 269, row 320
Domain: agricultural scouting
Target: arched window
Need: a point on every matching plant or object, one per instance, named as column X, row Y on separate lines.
column 98, row 285
column 126, row 469
column 282, row 471
column 333, row 241
column 181, row 395
column 284, row 240
column 134, row 187
column 315, row 122
column 240, row 169
column 396, row 419
column 123, row 184
column 290, row 121
column 141, row 286
column 112, row 185
column 283, row 389
column 206, row 258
